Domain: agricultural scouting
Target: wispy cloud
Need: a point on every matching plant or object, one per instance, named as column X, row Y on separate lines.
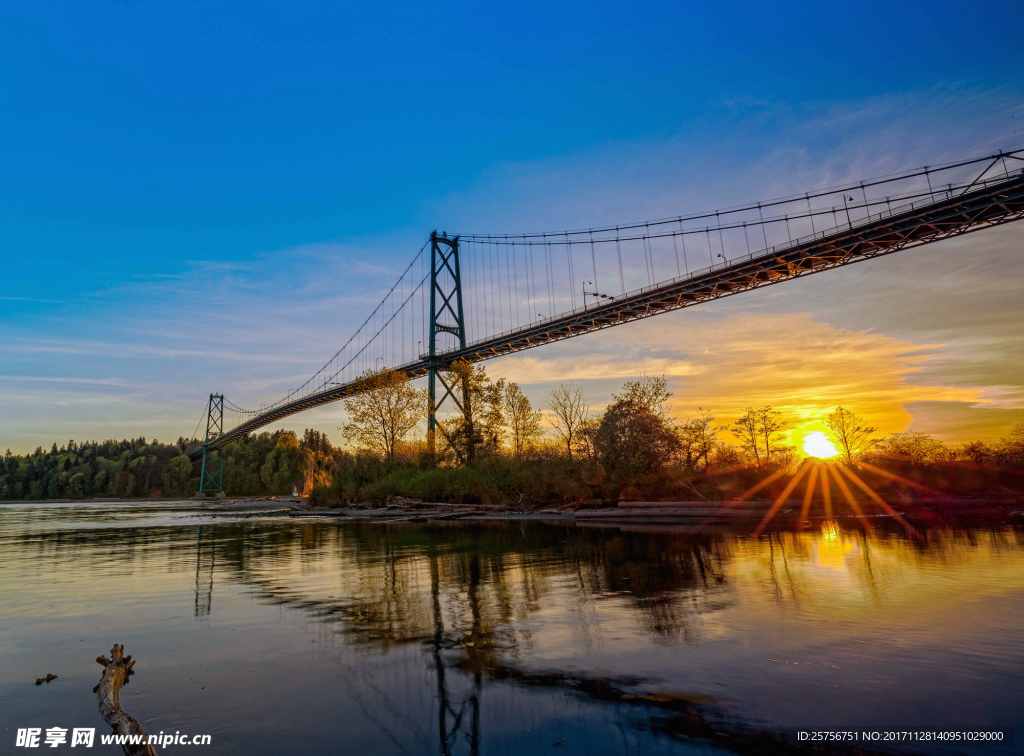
column 725, row 363
column 30, row 299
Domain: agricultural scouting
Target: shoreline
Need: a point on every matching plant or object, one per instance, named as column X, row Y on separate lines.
column 680, row 516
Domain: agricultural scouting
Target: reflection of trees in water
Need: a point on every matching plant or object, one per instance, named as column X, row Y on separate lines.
column 460, row 596
column 483, row 582
column 465, row 594
column 510, row 569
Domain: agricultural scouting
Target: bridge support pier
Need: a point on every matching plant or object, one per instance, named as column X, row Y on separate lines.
column 445, row 317
column 211, row 476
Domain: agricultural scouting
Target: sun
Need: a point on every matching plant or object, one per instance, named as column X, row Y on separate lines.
column 816, row 444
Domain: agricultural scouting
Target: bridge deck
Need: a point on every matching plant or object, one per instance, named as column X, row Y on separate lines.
column 992, row 203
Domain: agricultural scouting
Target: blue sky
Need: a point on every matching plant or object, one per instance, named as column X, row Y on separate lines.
column 205, row 196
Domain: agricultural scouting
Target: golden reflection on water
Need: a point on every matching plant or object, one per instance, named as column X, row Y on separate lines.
column 833, row 546
column 763, row 626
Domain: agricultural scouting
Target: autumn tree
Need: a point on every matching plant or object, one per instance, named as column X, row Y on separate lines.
column 492, row 419
column 383, row 410
column 522, row 419
column 318, row 458
column 850, row 434
column 648, row 393
column 635, row 435
column 568, row 409
column 585, row 443
column 479, row 425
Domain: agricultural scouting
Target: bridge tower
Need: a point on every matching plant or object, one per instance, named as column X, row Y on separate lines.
column 445, row 317
column 211, row 477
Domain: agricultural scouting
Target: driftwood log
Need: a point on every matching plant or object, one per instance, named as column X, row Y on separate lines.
column 116, row 671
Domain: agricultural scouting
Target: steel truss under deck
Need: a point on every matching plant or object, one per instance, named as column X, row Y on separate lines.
column 993, row 203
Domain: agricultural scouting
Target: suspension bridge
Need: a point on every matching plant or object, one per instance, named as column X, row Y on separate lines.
column 475, row 296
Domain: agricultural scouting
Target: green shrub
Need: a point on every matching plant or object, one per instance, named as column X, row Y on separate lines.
column 322, row 496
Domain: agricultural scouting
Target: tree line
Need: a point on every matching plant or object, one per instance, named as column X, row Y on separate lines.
column 491, row 447
column 261, row 464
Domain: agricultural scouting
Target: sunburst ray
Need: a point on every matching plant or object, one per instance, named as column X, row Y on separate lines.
column 812, row 478
column 876, row 498
column 898, row 478
column 783, row 496
column 848, row 495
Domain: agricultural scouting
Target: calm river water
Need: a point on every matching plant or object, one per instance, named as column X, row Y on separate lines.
column 278, row 636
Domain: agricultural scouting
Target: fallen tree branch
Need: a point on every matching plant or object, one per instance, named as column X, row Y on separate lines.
column 116, row 671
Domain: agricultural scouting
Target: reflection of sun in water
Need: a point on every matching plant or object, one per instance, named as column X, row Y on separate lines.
column 816, row 444
column 833, row 547
column 821, row 474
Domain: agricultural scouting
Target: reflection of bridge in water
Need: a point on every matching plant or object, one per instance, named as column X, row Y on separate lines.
column 473, row 297
column 446, row 632
column 206, row 559
column 455, row 598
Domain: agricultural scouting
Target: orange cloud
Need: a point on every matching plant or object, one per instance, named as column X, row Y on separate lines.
column 791, row 361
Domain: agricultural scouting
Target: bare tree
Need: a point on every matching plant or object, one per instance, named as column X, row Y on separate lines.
column 759, row 432
column 914, row 447
column 568, row 412
column 382, row 412
column 771, row 425
column 849, row 432
column 1010, row 449
column 747, row 430
column 698, row 439
column 522, row 419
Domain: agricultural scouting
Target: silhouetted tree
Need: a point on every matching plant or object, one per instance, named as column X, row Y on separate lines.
column 849, row 433
column 698, row 438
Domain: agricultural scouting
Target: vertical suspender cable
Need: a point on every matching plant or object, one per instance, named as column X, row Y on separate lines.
column 721, row 241
column 647, row 261
column 618, row 253
column 515, row 269
column 494, row 326
column 764, row 233
column 682, row 240
column 648, row 255
column 551, row 279
column 572, row 273
column 508, row 283
column 593, row 260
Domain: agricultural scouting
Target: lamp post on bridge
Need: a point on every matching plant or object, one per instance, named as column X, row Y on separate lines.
column 595, row 294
